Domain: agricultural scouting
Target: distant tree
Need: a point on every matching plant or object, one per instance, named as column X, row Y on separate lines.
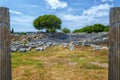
column 48, row 22
column 93, row 28
column 106, row 29
column 52, row 30
column 12, row 31
column 66, row 30
column 76, row 31
column 23, row 33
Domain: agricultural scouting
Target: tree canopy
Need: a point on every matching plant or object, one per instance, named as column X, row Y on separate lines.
column 93, row 28
column 66, row 30
column 48, row 22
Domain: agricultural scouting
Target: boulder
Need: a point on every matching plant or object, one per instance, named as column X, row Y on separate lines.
column 22, row 50
column 13, row 49
column 39, row 49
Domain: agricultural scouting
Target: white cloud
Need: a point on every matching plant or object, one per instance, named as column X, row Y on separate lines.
column 75, row 21
column 34, row 6
column 55, row 4
column 95, row 14
column 107, row 0
column 70, row 17
column 98, row 11
column 15, row 12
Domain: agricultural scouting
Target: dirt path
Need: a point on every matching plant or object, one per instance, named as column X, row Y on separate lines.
column 104, row 65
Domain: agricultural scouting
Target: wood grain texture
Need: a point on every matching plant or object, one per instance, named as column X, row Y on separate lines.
column 114, row 50
column 5, row 57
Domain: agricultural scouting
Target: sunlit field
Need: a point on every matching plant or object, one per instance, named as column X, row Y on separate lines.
column 59, row 63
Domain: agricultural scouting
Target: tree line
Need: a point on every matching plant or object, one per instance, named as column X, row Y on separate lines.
column 52, row 23
column 93, row 28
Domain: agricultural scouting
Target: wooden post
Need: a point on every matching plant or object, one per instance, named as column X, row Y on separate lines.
column 5, row 57
column 114, row 50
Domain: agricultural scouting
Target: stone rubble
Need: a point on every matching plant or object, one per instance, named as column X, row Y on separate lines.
column 41, row 41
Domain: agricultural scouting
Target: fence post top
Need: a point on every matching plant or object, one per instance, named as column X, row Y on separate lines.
column 114, row 15
column 115, row 8
column 4, row 8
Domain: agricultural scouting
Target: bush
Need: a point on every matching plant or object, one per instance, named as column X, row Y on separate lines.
column 93, row 28
column 23, row 33
column 66, row 30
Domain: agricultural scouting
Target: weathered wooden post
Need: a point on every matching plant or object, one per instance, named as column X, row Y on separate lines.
column 5, row 57
column 114, row 50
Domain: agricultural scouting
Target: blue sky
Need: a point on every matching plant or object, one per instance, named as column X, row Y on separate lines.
column 74, row 14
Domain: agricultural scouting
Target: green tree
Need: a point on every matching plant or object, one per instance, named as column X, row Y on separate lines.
column 12, row 31
column 66, row 30
column 106, row 29
column 76, row 31
column 48, row 22
column 93, row 28
column 23, row 33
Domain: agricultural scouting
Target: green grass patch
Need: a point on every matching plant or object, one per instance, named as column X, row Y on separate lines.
column 21, row 59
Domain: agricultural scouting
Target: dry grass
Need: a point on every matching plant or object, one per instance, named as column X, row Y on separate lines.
column 58, row 63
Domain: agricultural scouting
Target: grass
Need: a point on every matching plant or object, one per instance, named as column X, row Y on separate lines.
column 58, row 63
column 20, row 59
